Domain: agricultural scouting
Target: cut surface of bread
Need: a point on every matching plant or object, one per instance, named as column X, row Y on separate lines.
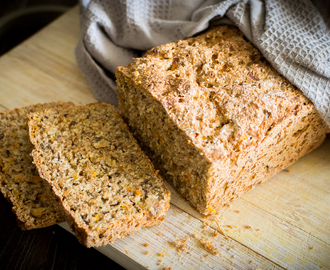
column 106, row 185
column 33, row 203
column 216, row 116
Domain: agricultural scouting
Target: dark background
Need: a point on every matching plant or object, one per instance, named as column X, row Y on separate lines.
column 22, row 27
column 52, row 247
column 13, row 5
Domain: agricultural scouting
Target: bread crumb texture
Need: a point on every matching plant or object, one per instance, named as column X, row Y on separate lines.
column 215, row 116
column 33, row 203
column 106, row 185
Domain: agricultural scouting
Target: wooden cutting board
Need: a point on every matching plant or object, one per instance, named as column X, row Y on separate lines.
column 283, row 223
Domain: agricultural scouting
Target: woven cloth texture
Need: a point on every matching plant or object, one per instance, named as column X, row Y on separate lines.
column 292, row 35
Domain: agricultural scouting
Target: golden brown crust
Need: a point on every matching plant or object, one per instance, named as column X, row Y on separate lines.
column 201, row 105
column 106, row 186
column 19, row 180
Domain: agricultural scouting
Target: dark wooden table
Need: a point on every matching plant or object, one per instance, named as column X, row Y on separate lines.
column 47, row 248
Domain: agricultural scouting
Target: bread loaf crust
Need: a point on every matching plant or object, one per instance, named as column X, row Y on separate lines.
column 223, row 107
column 106, row 187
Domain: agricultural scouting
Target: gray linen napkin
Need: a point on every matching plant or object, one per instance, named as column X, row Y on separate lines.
column 291, row 34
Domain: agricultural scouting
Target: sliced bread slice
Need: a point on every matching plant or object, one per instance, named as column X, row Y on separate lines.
column 106, row 185
column 20, row 183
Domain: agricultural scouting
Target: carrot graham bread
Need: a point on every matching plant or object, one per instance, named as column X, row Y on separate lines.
column 20, row 183
column 215, row 115
column 105, row 184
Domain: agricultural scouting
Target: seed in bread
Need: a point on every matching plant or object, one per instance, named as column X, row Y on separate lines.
column 20, row 182
column 215, row 116
column 106, row 185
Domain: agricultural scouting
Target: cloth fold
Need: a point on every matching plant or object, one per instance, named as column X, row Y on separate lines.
column 292, row 35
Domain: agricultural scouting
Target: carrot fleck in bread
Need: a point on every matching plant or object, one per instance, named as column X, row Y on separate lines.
column 106, row 186
column 33, row 204
column 215, row 116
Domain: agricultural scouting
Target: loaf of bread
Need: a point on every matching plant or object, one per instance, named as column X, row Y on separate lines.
column 215, row 116
column 20, row 183
column 106, row 186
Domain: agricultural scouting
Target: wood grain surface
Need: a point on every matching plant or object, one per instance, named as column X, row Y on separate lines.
column 281, row 224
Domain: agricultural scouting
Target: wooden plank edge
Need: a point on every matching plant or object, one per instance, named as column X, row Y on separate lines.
column 176, row 227
column 117, row 256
